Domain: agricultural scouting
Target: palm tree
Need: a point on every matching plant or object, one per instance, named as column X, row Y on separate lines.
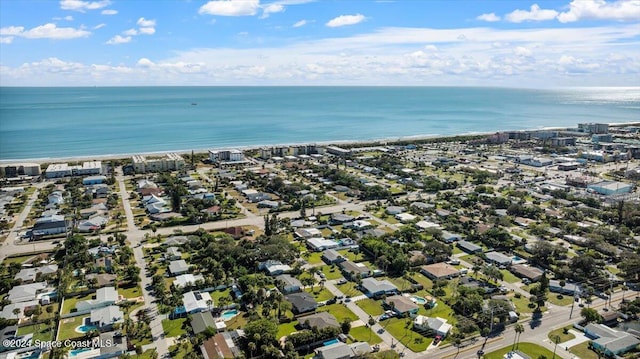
column 556, row 340
column 252, row 348
column 519, row 328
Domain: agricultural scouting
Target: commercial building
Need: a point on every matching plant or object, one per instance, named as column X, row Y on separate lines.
column 168, row 162
column 608, row 188
column 90, row 168
column 593, row 128
column 20, row 169
column 226, row 156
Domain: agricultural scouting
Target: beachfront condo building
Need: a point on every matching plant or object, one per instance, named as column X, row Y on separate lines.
column 168, row 162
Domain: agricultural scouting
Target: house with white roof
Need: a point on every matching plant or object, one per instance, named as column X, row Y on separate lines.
column 195, row 302
column 321, row 244
column 186, row 280
column 438, row 325
column 26, row 292
column 104, row 318
column 104, row 297
column 274, row 267
column 178, row 267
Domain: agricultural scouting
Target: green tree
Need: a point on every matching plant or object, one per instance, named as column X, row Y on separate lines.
column 590, row 315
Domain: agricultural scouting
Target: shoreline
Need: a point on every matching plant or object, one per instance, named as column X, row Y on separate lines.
column 387, row 140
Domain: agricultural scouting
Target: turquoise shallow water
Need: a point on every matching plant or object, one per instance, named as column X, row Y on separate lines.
column 66, row 122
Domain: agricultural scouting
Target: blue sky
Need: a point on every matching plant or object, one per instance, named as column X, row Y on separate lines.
column 300, row 42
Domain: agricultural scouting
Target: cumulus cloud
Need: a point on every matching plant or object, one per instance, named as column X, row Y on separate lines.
column 621, row 10
column 6, row 40
column 344, row 20
column 46, row 31
column 147, row 30
column 522, row 51
column 117, row 40
column 534, row 14
column 146, row 23
column 490, row 17
column 109, row 12
column 230, row 7
column 300, row 23
column 130, row 32
column 82, row 6
column 271, row 9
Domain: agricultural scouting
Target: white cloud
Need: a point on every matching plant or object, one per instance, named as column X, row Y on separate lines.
column 116, row 40
column 80, row 5
column 433, row 48
column 68, row 18
column 6, row 40
column 99, row 26
column 535, row 14
column 146, row 23
column 147, row 30
column 621, row 10
column 300, row 23
column 522, row 51
column 230, row 7
column 109, row 12
column 271, row 9
column 46, row 31
column 344, row 20
column 490, row 17
column 144, row 62
column 130, row 32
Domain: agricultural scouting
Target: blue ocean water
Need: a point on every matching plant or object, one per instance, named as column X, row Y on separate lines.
column 92, row 121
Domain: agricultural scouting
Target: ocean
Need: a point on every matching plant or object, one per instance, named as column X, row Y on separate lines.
column 40, row 123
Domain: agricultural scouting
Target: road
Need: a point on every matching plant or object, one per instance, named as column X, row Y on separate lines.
column 12, row 245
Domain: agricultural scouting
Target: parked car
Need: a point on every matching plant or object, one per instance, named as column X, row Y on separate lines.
column 342, row 281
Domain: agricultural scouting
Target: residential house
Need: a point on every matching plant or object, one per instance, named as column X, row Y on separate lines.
column 395, row 210
column 91, row 180
column 26, row 292
column 331, row 256
column 611, row 341
column 195, row 302
column 424, row 225
column 202, row 321
column 568, row 288
column 104, row 263
column 105, row 297
column 187, row 280
column 375, row 288
column 176, row 240
column 102, row 279
column 343, row 351
column 7, row 311
column 469, row 247
column 524, row 271
column 302, row 302
column 401, row 305
column 104, row 318
column 92, row 224
column 340, row 218
column 437, row 325
column 439, row 271
column 173, row 254
column 351, row 270
column 319, row 320
column 405, row 217
column 274, row 268
column 29, row 275
column 321, row 244
column 178, row 267
column 498, row 258
column 449, row 237
column 225, row 345
column 288, row 284
column 56, row 198
column 51, row 225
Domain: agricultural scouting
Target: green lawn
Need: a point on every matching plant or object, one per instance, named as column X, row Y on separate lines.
column 365, row 334
column 19, row 259
column 70, row 302
column 583, row 352
column 216, row 295
column 180, row 351
column 558, row 299
column 349, row 289
column 131, row 292
column 440, row 310
column 372, row 307
column 320, row 294
column 286, row 329
column 331, row 273
column 560, row 332
column 68, row 327
column 508, row 276
column 42, row 333
column 148, row 354
column 421, row 279
column 401, row 329
column 522, row 304
column 532, row 350
column 354, row 257
column 314, row 257
column 173, row 328
column 399, row 282
column 340, row 311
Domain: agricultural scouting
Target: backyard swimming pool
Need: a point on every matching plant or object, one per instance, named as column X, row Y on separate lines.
column 229, row 314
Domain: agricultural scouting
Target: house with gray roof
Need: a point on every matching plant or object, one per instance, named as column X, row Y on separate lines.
column 200, row 322
column 469, row 247
column 178, row 267
column 28, row 275
column 351, row 269
column 612, row 342
column 343, row 351
column 26, row 292
column 302, row 302
column 106, row 296
column 319, row 320
column 374, row 288
column 288, row 284
column 568, row 288
column 401, row 305
column 498, row 258
column 331, row 256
